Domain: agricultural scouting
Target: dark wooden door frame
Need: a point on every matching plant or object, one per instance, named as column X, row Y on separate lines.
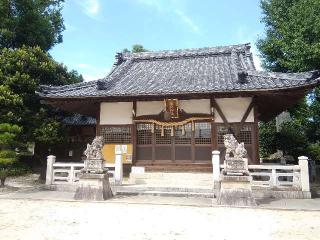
column 173, row 145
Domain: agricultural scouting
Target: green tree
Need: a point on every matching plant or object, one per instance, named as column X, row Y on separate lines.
column 314, row 120
column 292, row 138
column 292, row 41
column 22, row 71
column 267, row 138
column 8, row 145
column 136, row 48
column 31, row 23
column 292, row 44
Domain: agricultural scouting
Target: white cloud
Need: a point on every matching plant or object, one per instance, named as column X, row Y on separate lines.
column 256, row 58
column 90, row 7
column 187, row 20
column 84, row 66
column 244, row 35
column 90, row 72
column 171, row 7
column 152, row 3
column 70, row 27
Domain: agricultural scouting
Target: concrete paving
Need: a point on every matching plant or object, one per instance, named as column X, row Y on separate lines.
column 267, row 203
column 28, row 188
column 150, row 218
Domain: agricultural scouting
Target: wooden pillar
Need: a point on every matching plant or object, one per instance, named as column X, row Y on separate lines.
column 213, row 128
column 193, row 142
column 255, row 154
column 98, row 120
column 134, row 133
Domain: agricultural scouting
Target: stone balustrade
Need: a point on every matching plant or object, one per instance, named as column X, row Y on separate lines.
column 68, row 172
column 275, row 177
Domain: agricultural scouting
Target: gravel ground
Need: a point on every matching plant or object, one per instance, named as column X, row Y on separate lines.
column 32, row 219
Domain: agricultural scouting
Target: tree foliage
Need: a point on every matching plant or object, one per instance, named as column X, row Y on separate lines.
column 28, row 29
column 267, row 138
column 22, row 71
column 136, row 48
column 292, row 138
column 8, row 143
column 292, row 44
column 292, row 41
column 30, row 22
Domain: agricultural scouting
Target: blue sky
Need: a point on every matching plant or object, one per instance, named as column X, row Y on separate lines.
column 97, row 29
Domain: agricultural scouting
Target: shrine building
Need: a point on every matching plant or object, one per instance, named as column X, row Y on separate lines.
column 170, row 109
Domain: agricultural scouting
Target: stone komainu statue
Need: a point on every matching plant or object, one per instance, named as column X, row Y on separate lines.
column 234, row 147
column 94, row 150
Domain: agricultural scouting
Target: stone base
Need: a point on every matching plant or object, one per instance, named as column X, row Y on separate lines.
column 236, row 191
column 94, row 187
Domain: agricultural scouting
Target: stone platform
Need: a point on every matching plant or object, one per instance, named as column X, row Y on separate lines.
column 179, row 184
column 236, row 191
column 93, row 187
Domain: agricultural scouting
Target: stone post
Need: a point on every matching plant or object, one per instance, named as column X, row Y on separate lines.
column 274, row 179
column 304, row 173
column 118, row 169
column 216, row 168
column 49, row 176
column 216, row 171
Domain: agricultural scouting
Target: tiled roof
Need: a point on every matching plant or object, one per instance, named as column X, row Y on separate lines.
column 78, row 119
column 204, row 70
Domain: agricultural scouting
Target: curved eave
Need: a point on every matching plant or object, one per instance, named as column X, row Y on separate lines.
column 269, row 102
column 235, row 92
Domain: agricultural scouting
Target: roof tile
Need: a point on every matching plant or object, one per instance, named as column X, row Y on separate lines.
column 204, row 70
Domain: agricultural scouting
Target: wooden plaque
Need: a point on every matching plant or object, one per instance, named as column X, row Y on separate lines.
column 172, row 107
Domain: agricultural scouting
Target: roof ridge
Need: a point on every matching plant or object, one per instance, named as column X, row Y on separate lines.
column 189, row 52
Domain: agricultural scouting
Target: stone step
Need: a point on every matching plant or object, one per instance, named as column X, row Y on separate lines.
column 171, row 175
column 177, row 167
column 142, row 188
column 164, row 179
column 168, row 192
column 205, row 169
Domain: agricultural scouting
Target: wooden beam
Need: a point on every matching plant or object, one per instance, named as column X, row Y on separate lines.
column 224, row 119
column 217, row 107
column 245, row 116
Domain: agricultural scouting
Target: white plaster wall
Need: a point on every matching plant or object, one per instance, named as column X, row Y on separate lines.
column 195, row 106
column 116, row 113
column 189, row 106
column 149, row 108
column 233, row 109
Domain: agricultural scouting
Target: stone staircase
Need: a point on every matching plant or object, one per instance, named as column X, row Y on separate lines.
column 168, row 184
column 205, row 167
